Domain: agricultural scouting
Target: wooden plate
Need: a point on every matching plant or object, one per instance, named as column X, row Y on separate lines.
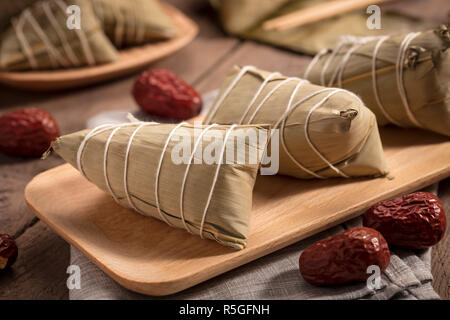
column 149, row 257
column 130, row 60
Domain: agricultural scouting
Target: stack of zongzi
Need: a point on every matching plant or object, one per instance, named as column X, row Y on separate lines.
column 404, row 79
column 198, row 178
column 323, row 132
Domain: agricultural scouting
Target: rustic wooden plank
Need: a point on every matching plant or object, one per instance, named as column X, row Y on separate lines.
column 431, row 10
column 440, row 257
column 40, row 270
column 290, row 63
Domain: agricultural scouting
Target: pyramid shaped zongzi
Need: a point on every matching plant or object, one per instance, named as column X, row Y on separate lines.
column 39, row 38
column 323, row 132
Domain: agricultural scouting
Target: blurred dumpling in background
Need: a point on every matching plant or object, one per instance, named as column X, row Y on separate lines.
column 246, row 17
column 133, row 22
column 39, row 39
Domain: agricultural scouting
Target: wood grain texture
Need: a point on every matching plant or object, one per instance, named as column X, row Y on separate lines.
column 129, row 61
column 40, row 270
column 149, row 257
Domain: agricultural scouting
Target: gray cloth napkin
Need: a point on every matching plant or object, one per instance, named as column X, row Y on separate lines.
column 276, row 276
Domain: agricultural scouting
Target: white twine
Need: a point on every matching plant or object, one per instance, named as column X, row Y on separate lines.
column 18, row 29
column 328, row 61
column 261, row 88
column 308, row 139
column 115, row 128
column 85, row 46
column 271, row 92
column 374, row 81
column 100, row 129
column 125, row 171
column 314, row 62
column 105, row 157
column 343, row 63
column 183, row 185
column 399, row 68
column 306, row 131
column 214, row 109
column 61, row 35
column 215, row 178
column 282, row 137
column 163, row 217
column 55, row 58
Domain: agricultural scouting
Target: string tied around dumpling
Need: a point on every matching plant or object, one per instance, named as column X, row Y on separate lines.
column 356, row 42
column 114, row 128
column 289, row 108
column 55, row 57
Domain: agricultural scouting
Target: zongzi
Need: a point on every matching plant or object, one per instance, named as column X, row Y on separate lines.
column 133, row 22
column 197, row 178
column 404, row 79
column 39, row 38
column 323, row 132
column 246, row 18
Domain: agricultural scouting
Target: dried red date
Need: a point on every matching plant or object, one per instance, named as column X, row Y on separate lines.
column 344, row 257
column 161, row 93
column 8, row 251
column 27, row 132
column 413, row 221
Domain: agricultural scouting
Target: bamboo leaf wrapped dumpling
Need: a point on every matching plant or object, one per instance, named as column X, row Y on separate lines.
column 239, row 15
column 39, row 38
column 323, row 132
column 246, row 18
column 142, row 167
column 134, row 22
column 403, row 79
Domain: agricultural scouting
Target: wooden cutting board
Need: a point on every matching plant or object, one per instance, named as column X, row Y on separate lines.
column 147, row 256
column 130, row 60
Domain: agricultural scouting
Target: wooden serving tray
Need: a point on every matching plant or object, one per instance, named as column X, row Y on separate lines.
column 147, row 256
column 130, row 60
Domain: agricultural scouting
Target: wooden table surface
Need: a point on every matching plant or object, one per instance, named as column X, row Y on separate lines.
column 40, row 271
